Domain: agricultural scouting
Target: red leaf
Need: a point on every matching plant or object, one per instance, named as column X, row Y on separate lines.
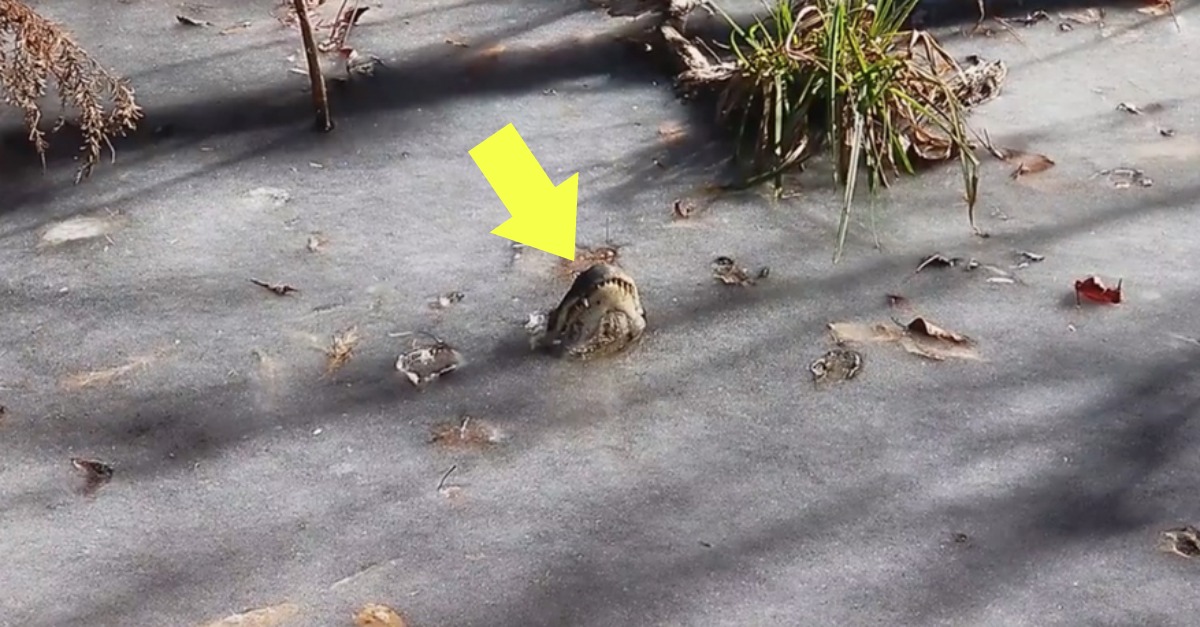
column 1093, row 289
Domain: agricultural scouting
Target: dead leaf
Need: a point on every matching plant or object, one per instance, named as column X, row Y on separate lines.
column 1093, row 289
column 444, row 301
column 1031, row 257
column 938, row 260
column 1027, row 162
column 341, row 349
column 316, row 243
column 376, row 615
column 683, row 208
column 96, row 474
column 936, row 351
column 457, row 43
column 919, row 337
column 863, row 333
column 1158, row 8
column 1166, row 132
column 1133, row 109
column 1123, row 178
column 928, row 146
column 672, row 132
column 271, row 616
column 105, row 376
column 1183, row 541
column 280, row 289
column 728, row 272
column 424, row 364
column 190, row 21
column 229, row 30
column 468, row 433
column 588, row 257
column 1029, row 19
column 1087, row 16
column 923, row 328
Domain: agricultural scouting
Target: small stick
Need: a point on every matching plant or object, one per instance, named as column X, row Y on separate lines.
column 442, row 483
column 324, row 122
column 462, row 430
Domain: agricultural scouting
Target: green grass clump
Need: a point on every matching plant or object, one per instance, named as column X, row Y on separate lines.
column 845, row 74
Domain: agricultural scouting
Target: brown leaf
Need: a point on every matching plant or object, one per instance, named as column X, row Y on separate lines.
column 271, row 616
column 934, row 351
column 96, row 474
column 341, row 349
column 1093, row 289
column 229, row 30
column 1158, row 8
column 444, row 301
column 672, row 132
column 1183, row 541
column 683, row 208
column 862, row 333
column 316, row 243
column 1087, row 16
column 938, row 260
column 280, row 289
column 469, row 433
column 930, row 341
column 1029, row 19
column 1129, row 108
column 919, row 338
column 727, row 271
column 588, row 257
column 191, row 21
column 929, row 146
column 1027, row 162
column 376, row 615
column 424, row 364
column 923, row 328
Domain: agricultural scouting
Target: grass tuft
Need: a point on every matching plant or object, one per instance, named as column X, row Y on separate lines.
column 846, row 75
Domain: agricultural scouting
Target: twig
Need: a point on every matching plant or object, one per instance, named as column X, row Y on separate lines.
column 986, row 140
column 1174, row 18
column 324, row 122
column 442, row 483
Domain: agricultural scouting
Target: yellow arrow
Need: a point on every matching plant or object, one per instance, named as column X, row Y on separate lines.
column 543, row 216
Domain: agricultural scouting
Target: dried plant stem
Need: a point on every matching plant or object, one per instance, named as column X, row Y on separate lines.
column 324, row 121
column 34, row 52
column 446, row 476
